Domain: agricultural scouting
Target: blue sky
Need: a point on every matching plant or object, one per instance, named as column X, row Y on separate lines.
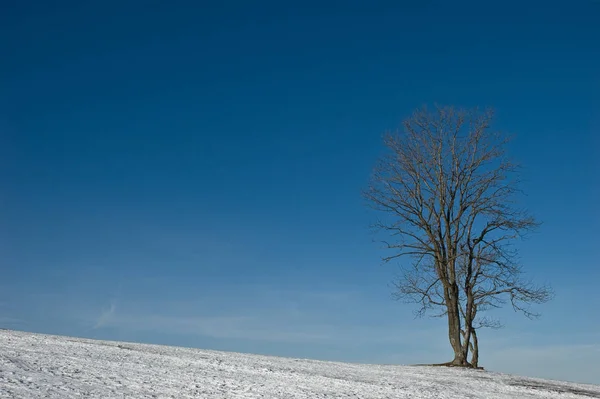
column 189, row 173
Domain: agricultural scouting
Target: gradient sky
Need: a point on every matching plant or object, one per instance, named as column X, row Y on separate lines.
column 189, row 173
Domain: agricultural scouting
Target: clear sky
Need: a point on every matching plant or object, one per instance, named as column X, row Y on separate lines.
column 189, row 173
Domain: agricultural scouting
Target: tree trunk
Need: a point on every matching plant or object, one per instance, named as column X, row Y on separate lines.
column 475, row 350
column 466, row 343
column 454, row 326
column 469, row 315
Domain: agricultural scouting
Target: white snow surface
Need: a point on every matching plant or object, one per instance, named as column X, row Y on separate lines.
column 44, row 366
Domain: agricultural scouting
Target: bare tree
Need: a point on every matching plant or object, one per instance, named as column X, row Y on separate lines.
column 447, row 191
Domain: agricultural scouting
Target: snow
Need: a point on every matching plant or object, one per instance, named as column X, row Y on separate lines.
column 44, row 366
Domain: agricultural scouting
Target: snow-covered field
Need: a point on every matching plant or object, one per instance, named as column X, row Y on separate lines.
column 44, row 366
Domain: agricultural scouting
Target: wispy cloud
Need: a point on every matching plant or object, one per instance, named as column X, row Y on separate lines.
column 233, row 327
column 276, row 327
column 107, row 316
column 239, row 327
column 273, row 315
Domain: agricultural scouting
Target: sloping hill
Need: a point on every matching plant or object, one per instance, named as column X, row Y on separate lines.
column 42, row 366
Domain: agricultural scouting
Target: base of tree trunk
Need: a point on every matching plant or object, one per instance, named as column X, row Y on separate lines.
column 466, row 365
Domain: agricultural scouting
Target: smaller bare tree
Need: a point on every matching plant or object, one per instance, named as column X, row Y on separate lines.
column 447, row 190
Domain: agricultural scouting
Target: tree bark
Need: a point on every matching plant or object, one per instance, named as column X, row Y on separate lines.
column 475, row 350
column 469, row 315
column 454, row 326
